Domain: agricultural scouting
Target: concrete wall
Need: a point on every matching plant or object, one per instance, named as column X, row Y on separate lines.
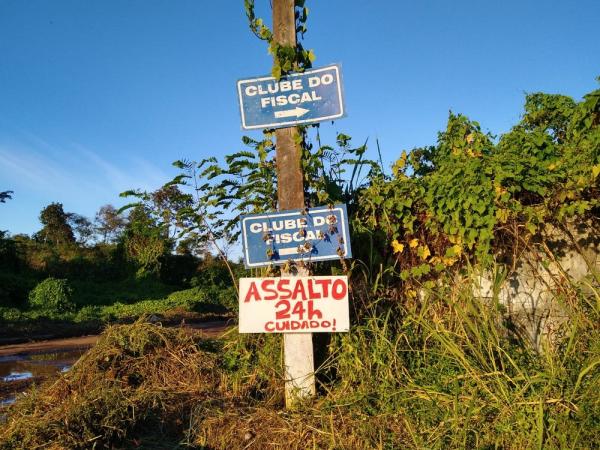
column 542, row 278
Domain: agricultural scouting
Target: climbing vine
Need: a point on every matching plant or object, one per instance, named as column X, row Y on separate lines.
column 286, row 58
column 472, row 198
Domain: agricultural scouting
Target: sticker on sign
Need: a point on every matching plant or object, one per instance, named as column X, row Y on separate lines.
column 294, row 305
column 317, row 234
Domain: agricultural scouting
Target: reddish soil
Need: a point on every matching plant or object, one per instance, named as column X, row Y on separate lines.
column 50, row 346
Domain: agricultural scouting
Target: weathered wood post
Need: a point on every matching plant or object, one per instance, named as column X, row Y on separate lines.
column 298, row 347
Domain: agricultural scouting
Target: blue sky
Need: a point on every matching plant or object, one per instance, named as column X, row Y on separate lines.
column 97, row 97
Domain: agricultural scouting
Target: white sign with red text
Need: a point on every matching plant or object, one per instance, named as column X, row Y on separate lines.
column 294, row 305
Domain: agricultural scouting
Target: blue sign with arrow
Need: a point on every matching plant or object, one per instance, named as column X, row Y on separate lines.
column 298, row 98
column 316, row 234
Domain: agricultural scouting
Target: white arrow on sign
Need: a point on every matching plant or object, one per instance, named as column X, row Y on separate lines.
column 297, row 112
column 287, row 251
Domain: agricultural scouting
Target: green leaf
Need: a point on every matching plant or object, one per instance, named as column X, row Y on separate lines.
column 276, row 71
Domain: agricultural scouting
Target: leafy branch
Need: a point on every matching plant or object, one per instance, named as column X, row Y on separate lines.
column 286, row 58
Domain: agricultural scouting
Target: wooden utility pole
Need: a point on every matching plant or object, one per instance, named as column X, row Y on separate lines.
column 298, row 348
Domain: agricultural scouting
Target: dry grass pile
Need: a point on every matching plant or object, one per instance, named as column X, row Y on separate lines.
column 139, row 379
column 229, row 427
column 145, row 386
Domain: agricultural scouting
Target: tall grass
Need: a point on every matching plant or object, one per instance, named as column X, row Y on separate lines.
column 444, row 370
column 460, row 375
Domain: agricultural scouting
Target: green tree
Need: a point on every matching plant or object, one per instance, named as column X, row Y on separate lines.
column 166, row 205
column 109, row 223
column 56, row 228
column 145, row 240
column 8, row 252
column 192, row 244
column 82, row 228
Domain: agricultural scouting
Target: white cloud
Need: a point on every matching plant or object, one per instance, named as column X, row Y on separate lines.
column 137, row 174
column 82, row 179
column 30, row 169
column 73, row 170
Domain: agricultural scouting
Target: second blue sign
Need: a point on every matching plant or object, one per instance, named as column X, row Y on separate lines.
column 315, row 235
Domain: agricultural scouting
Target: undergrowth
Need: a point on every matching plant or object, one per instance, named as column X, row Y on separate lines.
column 446, row 371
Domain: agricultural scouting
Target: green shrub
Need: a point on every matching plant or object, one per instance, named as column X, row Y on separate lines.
column 213, row 298
column 52, row 295
column 10, row 314
column 88, row 313
column 192, row 300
